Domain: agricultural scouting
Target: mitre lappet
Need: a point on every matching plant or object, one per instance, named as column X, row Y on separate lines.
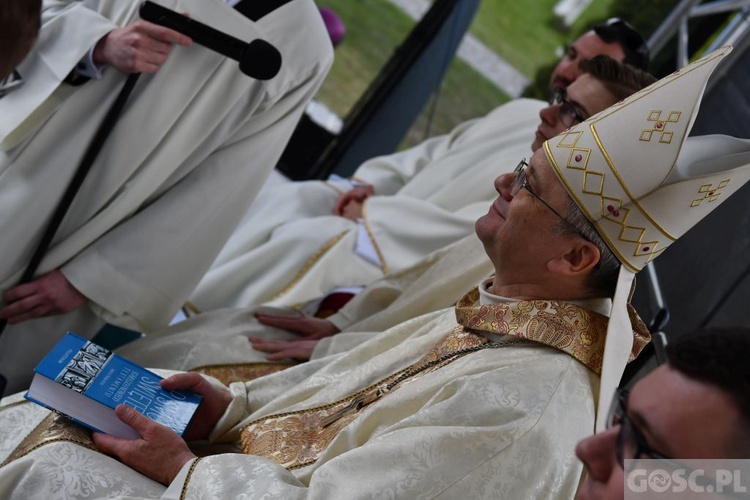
column 643, row 183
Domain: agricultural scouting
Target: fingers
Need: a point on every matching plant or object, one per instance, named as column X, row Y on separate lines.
column 141, row 47
column 283, row 349
column 47, row 295
column 167, row 36
column 190, row 381
column 159, row 454
column 19, row 312
column 291, row 323
column 299, row 353
column 338, row 207
column 19, row 292
column 118, row 447
column 265, row 345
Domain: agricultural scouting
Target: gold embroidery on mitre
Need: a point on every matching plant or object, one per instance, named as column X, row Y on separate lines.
column 241, row 372
column 710, row 193
column 567, row 327
column 660, row 127
column 54, row 428
column 297, row 439
column 611, row 208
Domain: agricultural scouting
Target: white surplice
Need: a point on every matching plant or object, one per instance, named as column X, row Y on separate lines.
column 498, row 423
column 189, row 153
column 290, row 249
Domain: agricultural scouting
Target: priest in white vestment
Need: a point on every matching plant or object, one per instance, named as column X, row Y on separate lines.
column 302, row 240
column 190, row 151
column 482, row 401
column 220, row 337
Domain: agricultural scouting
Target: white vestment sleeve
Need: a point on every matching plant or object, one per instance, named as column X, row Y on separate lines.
column 389, row 173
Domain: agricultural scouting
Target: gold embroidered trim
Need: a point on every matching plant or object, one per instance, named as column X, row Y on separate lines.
column 310, row 262
column 12, row 405
column 190, row 309
column 296, row 439
column 650, row 252
column 241, row 372
column 183, row 492
column 54, row 428
column 624, row 187
column 383, row 263
column 567, row 327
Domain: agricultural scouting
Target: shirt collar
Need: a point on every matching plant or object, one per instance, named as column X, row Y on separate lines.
column 597, row 305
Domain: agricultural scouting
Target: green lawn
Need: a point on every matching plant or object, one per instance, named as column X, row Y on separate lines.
column 524, row 33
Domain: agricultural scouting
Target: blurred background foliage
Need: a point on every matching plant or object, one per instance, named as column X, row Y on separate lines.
column 527, row 34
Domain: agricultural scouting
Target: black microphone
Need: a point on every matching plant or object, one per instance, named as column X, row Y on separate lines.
column 258, row 59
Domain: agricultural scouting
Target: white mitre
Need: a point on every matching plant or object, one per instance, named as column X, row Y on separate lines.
column 643, row 183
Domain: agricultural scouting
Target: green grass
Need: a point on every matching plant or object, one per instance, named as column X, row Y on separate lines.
column 525, row 33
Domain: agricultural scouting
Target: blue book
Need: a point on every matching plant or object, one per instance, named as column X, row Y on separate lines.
column 85, row 382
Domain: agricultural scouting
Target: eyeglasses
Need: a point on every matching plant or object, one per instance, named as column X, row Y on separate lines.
column 521, row 181
column 630, row 442
column 568, row 114
column 618, row 30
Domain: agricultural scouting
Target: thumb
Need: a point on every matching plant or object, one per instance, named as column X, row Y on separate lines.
column 112, row 445
column 133, row 418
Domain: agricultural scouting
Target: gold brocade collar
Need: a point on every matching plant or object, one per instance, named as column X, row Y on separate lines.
column 567, row 327
column 296, row 439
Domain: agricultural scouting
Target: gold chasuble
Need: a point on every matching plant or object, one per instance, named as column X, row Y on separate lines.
column 296, row 439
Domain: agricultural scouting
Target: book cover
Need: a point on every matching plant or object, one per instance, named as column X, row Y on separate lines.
column 85, row 382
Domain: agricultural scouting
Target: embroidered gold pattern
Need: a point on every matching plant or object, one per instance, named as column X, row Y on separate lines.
column 660, row 126
column 53, row 429
column 578, row 332
column 381, row 257
column 183, row 493
column 241, row 372
column 297, row 439
column 610, row 208
column 710, row 193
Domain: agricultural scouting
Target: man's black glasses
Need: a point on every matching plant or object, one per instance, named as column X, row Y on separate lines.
column 569, row 116
column 630, row 442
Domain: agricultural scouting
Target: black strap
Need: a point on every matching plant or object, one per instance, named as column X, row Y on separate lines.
column 257, row 9
column 73, row 187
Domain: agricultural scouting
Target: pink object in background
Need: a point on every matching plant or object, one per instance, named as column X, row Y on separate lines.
column 334, row 25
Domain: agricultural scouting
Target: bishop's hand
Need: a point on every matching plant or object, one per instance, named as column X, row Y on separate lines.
column 159, row 454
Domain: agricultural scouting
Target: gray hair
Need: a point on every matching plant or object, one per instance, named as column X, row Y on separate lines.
column 603, row 279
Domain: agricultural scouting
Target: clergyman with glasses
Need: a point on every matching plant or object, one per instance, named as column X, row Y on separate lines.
column 393, row 210
column 191, row 344
column 696, row 406
column 484, row 400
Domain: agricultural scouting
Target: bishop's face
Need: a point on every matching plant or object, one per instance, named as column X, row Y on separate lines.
column 519, row 232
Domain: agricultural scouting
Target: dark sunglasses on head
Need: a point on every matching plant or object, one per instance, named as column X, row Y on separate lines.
column 618, row 30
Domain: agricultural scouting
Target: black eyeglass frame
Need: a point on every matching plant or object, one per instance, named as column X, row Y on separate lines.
column 522, row 182
column 567, row 110
column 618, row 415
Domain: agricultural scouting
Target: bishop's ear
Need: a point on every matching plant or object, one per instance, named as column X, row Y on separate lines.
column 580, row 258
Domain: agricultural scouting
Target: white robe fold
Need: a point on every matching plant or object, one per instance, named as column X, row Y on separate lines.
column 498, row 423
column 290, row 249
column 189, row 153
